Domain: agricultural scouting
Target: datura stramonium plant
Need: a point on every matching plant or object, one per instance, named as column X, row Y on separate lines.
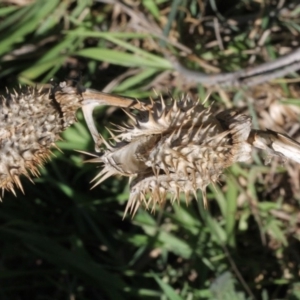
column 172, row 147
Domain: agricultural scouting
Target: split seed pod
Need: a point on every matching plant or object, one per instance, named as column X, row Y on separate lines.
column 174, row 147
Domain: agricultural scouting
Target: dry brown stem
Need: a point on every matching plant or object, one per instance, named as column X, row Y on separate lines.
column 280, row 67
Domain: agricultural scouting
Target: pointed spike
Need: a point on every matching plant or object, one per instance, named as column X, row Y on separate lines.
column 18, row 183
column 203, row 112
column 130, row 179
column 119, row 128
column 198, row 130
column 87, row 153
column 156, row 194
column 152, row 203
column 179, row 130
column 190, row 110
column 173, row 199
column 205, row 129
column 101, row 173
column 163, row 104
column 140, row 105
column 151, row 118
column 30, row 179
column 96, row 160
column 135, row 208
column 166, row 168
column 177, row 195
column 175, row 106
column 131, row 116
column 195, row 193
column 128, row 205
column 151, row 101
column 163, row 115
column 13, row 190
column 143, row 199
column 153, row 208
column 176, row 117
column 57, row 148
column 155, row 170
column 210, row 106
column 107, row 145
column 107, row 175
column 114, row 137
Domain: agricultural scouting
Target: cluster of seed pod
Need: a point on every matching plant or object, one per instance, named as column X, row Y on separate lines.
column 172, row 147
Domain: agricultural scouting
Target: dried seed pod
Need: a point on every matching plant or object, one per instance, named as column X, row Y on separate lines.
column 174, row 147
column 31, row 121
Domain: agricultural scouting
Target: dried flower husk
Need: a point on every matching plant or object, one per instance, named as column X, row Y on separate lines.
column 174, row 147
column 31, row 121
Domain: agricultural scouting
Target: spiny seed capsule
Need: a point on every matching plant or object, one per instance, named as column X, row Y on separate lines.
column 173, row 148
column 31, row 121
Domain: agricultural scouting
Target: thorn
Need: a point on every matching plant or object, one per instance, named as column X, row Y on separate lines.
column 177, row 195
column 155, row 170
column 132, row 117
column 115, row 138
column 175, row 106
column 151, row 101
column 163, row 104
column 140, row 105
column 128, row 205
column 104, row 177
column 94, row 160
column 151, row 118
column 13, row 191
column 57, row 148
column 195, row 194
column 108, row 146
column 130, row 179
column 135, row 209
column 87, row 153
column 18, row 183
column 16, row 93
